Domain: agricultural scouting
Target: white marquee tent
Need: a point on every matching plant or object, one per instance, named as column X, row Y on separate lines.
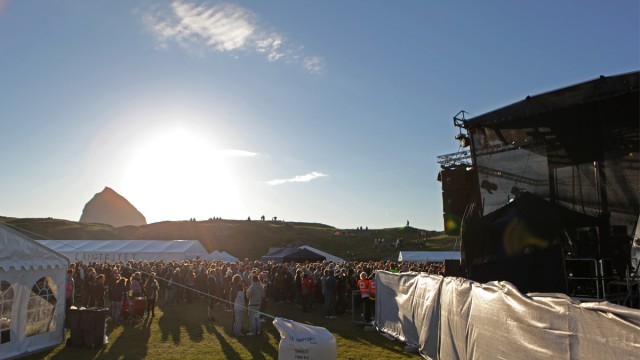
column 89, row 251
column 32, row 299
column 428, row 256
column 329, row 257
column 223, row 256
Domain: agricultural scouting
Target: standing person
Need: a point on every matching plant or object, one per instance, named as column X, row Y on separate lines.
column 363, row 285
column 70, row 289
column 212, row 291
column 255, row 293
column 330, row 293
column 98, row 292
column 151, row 288
column 236, row 296
column 117, row 293
column 307, row 286
column 135, row 285
column 87, row 288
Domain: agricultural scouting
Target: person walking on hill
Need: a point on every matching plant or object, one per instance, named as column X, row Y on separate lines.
column 255, row 293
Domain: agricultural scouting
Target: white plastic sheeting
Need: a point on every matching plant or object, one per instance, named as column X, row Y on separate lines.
column 304, row 342
column 455, row 318
column 428, row 256
column 23, row 262
column 89, row 251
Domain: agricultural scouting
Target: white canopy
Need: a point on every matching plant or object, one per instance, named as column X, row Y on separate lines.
column 428, row 256
column 223, row 256
column 124, row 250
column 329, row 257
column 32, row 295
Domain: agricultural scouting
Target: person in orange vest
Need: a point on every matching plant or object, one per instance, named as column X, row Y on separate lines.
column 364, row 286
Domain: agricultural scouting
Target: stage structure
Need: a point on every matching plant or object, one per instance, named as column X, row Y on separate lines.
column 544, row 193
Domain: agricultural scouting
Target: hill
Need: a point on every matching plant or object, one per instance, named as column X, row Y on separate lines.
column 247, row 239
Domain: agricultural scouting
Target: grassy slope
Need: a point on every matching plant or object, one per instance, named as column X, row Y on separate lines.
column 244, row 239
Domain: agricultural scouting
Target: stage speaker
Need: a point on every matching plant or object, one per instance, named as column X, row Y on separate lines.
column 456, row 179
column 456, row 190
column 581, row 268
column 453, row 268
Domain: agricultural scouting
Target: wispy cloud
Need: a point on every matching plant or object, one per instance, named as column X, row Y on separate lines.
column 239, row 153
column 223, row 27
column 300, row 178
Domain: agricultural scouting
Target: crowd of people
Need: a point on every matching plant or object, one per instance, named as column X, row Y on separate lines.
column 236, row 286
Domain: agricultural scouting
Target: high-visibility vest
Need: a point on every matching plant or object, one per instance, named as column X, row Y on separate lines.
column 372, row 289
column 363, row 285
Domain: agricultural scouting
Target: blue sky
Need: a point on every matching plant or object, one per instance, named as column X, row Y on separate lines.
column 325, row 111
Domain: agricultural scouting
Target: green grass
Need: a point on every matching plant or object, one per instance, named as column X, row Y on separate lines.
column 182, row 332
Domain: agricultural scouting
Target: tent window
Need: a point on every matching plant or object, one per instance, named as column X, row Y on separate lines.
column 41, row 307
column 6, row 304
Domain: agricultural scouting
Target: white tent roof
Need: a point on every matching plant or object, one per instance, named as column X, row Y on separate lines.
column 223, row 256
column 329, row 257
column 125, row 250
column 18, row 251
column 428, row 256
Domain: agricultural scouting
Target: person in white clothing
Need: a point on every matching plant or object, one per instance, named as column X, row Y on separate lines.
column 236, row 295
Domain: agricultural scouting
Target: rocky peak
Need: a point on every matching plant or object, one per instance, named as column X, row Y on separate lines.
column 109, row 207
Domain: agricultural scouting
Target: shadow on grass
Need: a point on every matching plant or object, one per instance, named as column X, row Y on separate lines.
column 132, row 342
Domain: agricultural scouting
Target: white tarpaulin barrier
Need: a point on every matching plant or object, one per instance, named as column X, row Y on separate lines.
column 32, row 295
column 304, row 342
column 455, row 318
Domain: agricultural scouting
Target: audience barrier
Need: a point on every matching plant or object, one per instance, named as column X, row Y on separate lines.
column 455, row 318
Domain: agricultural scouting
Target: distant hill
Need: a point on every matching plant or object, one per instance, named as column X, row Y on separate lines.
column 109, row 207
column 246, row 239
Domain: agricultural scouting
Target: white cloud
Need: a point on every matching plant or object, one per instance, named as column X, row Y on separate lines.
column 222, row 27
column 300, row 178
column 239, row 153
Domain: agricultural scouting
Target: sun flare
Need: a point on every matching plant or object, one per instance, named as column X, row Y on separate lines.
column 177, row 173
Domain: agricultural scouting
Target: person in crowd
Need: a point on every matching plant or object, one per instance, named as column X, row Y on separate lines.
column 70, row 289
column 87, row 288
column 297, row 286
column 190, row 284
column 341, row 302
column 151, row 288
column 255, row 293
column 330, row 291
column 98, row 292
column 212, row 292
column 307, row 286
column 236, row 296
column 135, row 285
column 363, row 285
column 117, row 292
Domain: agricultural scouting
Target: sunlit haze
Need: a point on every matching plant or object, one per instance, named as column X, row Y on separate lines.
column 330, row 111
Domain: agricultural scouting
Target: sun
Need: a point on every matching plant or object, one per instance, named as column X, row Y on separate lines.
column 177, row 173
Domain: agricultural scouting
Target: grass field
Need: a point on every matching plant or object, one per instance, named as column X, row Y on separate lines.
column 183, row 332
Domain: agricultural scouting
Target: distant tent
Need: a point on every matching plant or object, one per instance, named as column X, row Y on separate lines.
column 428, row 256
column 124, row 250
column 280, row 255
column 222, row 256
column 32, row 295
column 329, row 257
